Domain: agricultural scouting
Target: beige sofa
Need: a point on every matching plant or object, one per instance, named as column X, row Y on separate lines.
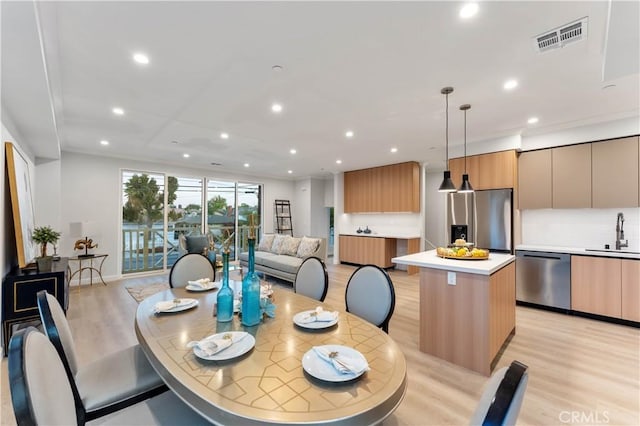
column 280, row 256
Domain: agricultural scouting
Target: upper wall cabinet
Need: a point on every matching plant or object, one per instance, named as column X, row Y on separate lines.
column 571, row 176
column 496, row 170
column 598, row 174
column 534, row 179
column 387, row 189
column 615, row 173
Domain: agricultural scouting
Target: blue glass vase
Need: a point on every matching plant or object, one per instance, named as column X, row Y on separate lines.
column 225, row 294
column 251, row 313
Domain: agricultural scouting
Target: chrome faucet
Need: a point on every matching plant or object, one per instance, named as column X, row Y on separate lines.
column 620, row 233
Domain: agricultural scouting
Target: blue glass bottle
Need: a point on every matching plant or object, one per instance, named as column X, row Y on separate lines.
column 251, row 314
column 225, row 294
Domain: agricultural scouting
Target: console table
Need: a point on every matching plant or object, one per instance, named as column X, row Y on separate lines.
column 19, row 289
column 86, row 263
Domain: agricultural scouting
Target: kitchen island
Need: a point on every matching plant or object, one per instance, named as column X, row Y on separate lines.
column 467, row 307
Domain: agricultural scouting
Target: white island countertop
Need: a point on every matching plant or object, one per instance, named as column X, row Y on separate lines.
column 429, row 259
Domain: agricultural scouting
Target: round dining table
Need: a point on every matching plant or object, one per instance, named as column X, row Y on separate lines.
column 268, row 385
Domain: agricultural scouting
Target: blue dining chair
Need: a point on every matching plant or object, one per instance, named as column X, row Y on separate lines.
column 42, row 394
column 106, row 384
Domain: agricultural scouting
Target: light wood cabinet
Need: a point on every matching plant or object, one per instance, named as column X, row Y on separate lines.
column 631, row 289
column 487, row 171
column 534, row 179
column 596, row 285
column 385, row 189
column 571, row 176
column 367, row 250
column 615, row 173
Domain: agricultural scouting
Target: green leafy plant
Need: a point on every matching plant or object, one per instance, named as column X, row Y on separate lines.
column 44, row 235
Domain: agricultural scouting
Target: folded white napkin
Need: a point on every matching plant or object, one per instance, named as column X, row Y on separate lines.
column 319, row 315
column 342, row 363
column 201, row 283
column 213, row 344
column 168, row 305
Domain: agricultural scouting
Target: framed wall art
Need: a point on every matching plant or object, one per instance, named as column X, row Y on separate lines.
column 21, row 204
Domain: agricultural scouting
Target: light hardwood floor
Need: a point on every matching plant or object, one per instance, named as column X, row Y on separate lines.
column 581, row 371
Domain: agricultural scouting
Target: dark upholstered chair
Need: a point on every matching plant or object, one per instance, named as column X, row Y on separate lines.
column 107, row 384
column 191, row 267
column 312, row 279
column 370, row 295
column 42, row 394
column 502, row 396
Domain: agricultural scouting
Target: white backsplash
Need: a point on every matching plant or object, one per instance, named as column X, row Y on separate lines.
column 579, row 228
column 400, row 224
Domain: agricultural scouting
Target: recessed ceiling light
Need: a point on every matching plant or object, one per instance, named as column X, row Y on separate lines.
column 510, row 84
column 394, row 150
column 468, row 10
column 338, row 161
column 608, row 86
column 141, row 58
column 349, row 133
column 175, row 142
column 118, row 111
column 532, row 120
column 276, row 108
column 246, row 164
column 277, row 68
column 224, row 135
column 185, row 155
column 289, row 171
column 292, row 151
column 104, row 142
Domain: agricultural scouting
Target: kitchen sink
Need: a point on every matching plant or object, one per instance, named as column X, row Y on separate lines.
column 613, row 251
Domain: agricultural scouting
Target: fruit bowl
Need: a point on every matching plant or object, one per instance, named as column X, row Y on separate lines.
column 462, row 253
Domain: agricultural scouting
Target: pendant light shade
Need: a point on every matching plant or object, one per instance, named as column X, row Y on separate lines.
column 466, row 185
column 447, row 184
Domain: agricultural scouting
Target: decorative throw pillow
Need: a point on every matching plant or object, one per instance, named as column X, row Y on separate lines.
column 278, row 244
column 197, row 243
column 308, row 246
column 291, row 246
column 266, row 242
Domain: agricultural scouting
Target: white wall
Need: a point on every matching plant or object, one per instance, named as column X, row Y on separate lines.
column 308, row 209
column 328, row 193
column 579, row 228
column 435, row 212
column 90, row 187
column 48, row 195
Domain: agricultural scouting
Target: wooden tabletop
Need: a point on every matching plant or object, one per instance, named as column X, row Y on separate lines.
column 268, row 384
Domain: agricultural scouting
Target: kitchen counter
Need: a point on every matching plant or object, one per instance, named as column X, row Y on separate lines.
column 624, row 253
column 429, row 259
column 467, row 307
column 383, row 235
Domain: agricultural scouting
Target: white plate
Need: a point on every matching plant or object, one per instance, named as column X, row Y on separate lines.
column 297, row 320
column 322, row 370
column 213, row 285
column 233, row 351
column 185, row 303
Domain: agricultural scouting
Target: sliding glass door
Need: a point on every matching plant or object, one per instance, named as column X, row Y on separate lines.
column 153, row 219
column 143, row 201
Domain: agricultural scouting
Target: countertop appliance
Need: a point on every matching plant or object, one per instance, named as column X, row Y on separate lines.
column 543, row 278
column 485, row 217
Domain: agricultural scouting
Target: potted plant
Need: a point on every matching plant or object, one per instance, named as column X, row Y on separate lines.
column 44, row 235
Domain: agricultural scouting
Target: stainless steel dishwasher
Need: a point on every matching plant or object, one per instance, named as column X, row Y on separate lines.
column 543, row 278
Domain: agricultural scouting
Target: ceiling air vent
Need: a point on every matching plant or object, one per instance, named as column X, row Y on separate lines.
column 561, row 36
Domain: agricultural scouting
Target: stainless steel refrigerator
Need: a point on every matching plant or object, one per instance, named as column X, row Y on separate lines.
column 484, row 218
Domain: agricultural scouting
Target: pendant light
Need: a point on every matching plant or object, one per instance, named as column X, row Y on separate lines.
column 465, row 186
column 447, row 184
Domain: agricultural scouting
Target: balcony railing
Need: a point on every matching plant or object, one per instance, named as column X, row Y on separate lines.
column 143, row 248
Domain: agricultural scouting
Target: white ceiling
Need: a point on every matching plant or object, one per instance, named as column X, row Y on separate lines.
column 374, row 67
